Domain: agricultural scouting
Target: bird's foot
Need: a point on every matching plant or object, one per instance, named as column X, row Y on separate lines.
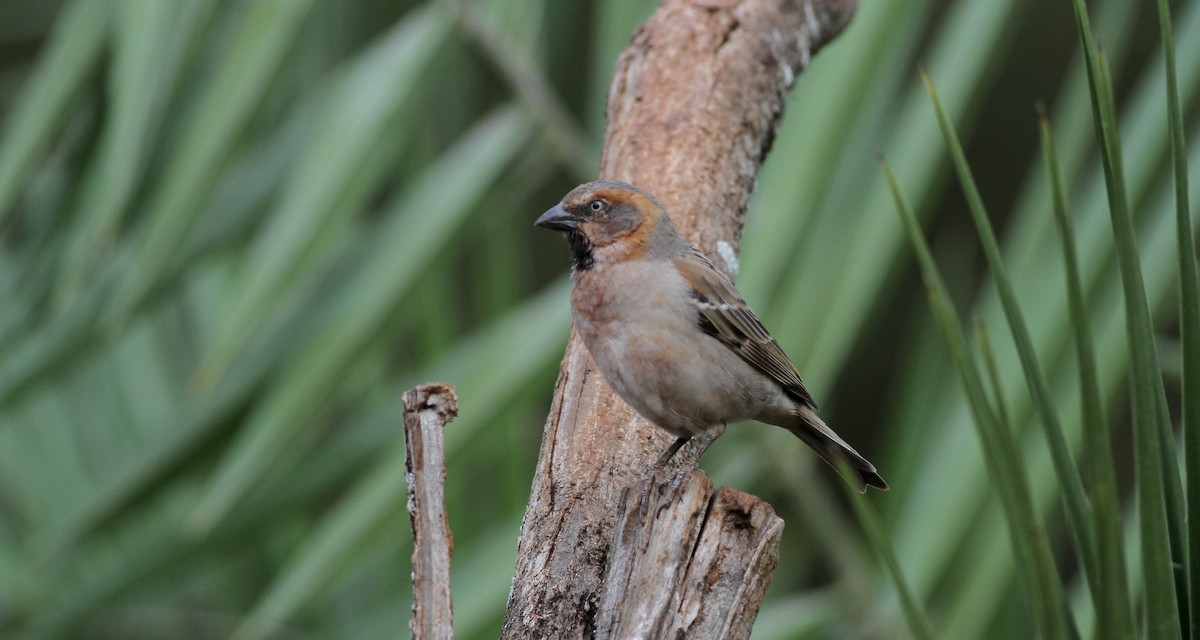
column 674, row 488
column 659, row 467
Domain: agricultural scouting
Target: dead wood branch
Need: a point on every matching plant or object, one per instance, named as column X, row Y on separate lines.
column 694, row 104
column 427, row 410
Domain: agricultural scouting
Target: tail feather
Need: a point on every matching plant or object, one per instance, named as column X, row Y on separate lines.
column 816, row 434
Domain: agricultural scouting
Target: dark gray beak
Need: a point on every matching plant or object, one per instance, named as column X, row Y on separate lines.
column 558, row 219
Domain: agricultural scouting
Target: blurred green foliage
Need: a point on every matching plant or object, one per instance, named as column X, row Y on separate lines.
column 233, row 233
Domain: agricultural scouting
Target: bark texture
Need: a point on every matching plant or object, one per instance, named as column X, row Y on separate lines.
column 694, row 104
column 427, row 410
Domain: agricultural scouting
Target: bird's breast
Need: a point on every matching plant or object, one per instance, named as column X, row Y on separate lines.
column 630, row 298
column 630, row 316
column 642, row 332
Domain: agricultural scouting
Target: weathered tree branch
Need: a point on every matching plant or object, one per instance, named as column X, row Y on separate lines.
column 694, row 104
column 427, row 410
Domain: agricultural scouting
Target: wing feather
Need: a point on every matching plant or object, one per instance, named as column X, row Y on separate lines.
column 723, row 314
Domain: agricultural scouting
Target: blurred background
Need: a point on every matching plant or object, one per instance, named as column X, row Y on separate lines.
column 234, row 232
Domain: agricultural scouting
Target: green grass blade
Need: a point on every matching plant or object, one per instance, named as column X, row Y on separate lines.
column 1146, row 370
column 380, row 495
column 526, row 339
column 965, row 52
column 570, row 144
column 150, row 41
column 1112, row 603
column 795, row 180
column 1027, row 536
column 611, row 24
column 877, row 537
column 1162, row 610
column 1078, row 509
column 57, row 345
column 1031, row 255
column 1189, row 316
column 419, row 223
column 265, row 33
column 194, row 431
column 993, row 371
column 72, row 54
column 40, row 355
column 375, row 88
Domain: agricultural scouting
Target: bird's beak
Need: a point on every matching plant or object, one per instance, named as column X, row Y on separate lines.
column 558, row 219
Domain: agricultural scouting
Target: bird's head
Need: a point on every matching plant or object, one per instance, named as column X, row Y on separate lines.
column 610, row 220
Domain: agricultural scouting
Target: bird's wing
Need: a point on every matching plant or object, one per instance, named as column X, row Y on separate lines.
column 724, row 315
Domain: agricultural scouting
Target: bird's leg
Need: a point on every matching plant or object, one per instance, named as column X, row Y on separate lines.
column 671, row 451
column 678, row 474
column 652, row 472
column 681, row 475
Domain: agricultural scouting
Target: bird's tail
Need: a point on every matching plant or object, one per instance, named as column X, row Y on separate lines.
column 816, row 434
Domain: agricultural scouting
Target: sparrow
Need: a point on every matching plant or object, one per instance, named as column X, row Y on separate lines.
column 671, row 334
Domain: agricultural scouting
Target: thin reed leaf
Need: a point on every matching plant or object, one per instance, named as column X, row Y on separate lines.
column 264, row 35
column 1112, row 603
column 1189, row 317
column 993, row 370
column 1031, row 549
column 418, row 223
column 575, row 151
column 1171, row 482
column 379, row 495
column 1126, row 241
column 150, row 40
column 877, row 536
column 965, row 52
column 72, row 54
column 1035, row 269
column 1162, row 610
column 1078, row 509
column 527, row 338
column 355, row 114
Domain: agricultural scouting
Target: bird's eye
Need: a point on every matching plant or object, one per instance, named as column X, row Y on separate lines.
column 596, row 205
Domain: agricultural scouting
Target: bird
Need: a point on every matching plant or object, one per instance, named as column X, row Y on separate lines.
column 670, row 332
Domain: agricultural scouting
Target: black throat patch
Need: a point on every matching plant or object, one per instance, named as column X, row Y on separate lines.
column 581, row 251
